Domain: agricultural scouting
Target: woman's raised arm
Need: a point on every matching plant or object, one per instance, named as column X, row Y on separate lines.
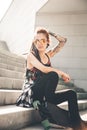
column 57, row 48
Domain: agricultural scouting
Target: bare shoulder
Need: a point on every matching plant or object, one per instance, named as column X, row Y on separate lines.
column 30, row 58
column 30, row 55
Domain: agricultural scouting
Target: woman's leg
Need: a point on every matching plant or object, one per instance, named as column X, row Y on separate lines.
column 47, row 86
column 39, row 92
column 71, row 97
column 68, row 95
column 39, row 89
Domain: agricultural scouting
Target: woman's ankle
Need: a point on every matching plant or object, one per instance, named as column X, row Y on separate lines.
column 46, row 124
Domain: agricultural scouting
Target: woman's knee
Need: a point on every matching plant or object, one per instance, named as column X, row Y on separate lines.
column 72, row 93
column 53, row 75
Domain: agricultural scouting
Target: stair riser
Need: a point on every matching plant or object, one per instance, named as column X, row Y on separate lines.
column 11, row 67
column 82, row 96
column 10, row 56
column 14, row 121
column 10, row 62
column 8, row 97
column 10, row 83
column 11, row 74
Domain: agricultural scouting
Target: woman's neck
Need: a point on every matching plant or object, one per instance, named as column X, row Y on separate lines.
column 42, row 54
column 43, row 57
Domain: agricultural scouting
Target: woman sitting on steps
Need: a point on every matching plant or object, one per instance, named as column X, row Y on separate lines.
column 43, row 78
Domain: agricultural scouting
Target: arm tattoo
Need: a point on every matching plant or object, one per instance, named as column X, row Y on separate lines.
column 58, row 47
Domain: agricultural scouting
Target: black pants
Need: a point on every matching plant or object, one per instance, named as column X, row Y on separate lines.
column 46, row 86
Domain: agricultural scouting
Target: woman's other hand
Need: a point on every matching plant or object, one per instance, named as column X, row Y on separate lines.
column 65, row 77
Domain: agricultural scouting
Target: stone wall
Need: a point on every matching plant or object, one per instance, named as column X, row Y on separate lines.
column 73, row 57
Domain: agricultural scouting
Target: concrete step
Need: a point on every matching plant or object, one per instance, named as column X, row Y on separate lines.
column 3, row 45
column 62, row 86
column 12, row 67
column 82, row 96
column 11, row 56
column 38, row 126
column 8, row 97
column 11, row 74
column 14, row 118
column 82, row 105
column 7, row 57
column 7, row 60
column 11, row 83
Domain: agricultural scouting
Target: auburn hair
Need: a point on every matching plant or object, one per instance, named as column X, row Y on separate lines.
column 33, row 49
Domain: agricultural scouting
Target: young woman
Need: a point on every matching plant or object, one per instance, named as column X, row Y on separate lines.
column 44, row 78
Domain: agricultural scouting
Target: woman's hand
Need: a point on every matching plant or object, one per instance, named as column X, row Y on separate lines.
column 65, row 77
column 58, row 37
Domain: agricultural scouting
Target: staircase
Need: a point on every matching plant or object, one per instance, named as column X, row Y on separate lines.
column 12, row 68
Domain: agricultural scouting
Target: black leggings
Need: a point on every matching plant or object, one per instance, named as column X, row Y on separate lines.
column 46, row 87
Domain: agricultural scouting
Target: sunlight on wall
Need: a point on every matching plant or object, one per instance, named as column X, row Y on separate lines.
column 17, row 26
column 4, row 5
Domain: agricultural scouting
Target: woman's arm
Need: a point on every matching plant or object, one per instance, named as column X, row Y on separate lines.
column 57, row 48
column 31, row 59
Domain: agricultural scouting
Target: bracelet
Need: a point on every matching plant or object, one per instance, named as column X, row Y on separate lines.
column 52, row 34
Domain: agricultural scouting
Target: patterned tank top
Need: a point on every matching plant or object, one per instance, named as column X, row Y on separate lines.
column 34, row 74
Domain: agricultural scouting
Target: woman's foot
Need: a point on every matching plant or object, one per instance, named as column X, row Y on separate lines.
column 46, row 124
column 82, row 126
column 69, row 128
column 56, row 126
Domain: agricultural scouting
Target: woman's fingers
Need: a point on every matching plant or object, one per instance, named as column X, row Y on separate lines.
column 66, row 77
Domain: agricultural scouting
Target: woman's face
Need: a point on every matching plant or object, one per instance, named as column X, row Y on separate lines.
column 41, row 42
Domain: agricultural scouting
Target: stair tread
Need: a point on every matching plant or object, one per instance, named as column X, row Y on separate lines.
column 16, row 90
column 18, row 117
column 10, row 90
column 12, row 109
column 9, row 96
column 82, row 105
column 79, row 101
column 14, row 117
column 15, row 108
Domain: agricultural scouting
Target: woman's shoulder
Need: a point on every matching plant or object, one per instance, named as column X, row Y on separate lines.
column 48, row 53
column 30, row 54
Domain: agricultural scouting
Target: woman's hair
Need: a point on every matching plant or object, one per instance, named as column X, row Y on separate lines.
column 33, row 49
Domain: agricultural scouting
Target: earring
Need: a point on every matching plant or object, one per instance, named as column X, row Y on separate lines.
column 47, row 45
